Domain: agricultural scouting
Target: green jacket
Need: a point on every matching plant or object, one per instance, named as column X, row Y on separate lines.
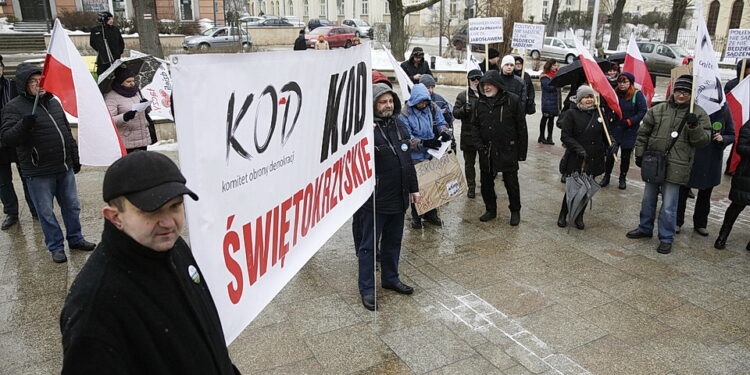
column 655, row 135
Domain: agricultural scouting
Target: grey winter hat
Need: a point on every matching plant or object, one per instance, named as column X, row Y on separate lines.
column 379, row 89
column 427, row 80
column 584, row 91
column 684, row 83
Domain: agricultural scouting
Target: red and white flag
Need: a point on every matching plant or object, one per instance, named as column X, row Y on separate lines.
column 595, row 77
column 739, row 104
column 66, row 76
column 635, row 65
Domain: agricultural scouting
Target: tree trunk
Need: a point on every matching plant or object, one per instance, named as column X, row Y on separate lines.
column 148, row 32
column 552, row 21
column 678, row 12
column 398, row 14
column 614, row 36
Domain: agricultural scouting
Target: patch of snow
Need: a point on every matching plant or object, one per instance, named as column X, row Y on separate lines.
column 380, row 62
column 164, row 145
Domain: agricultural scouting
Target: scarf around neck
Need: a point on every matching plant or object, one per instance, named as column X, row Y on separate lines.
column 127, row 92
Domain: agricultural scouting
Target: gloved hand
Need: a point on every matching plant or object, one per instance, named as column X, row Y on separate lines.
column 29, row 120
column 582, row 155
column 468, row 107
column 129, row 115
column 620, row 123
column 444, row 137
column 76, row 168
column 691, row 120
column 432, row 143
column 638, row 161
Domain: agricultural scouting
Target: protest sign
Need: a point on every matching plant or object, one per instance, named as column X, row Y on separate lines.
column 527, row 36
column 738, row 43
column 159, row 93
column 280, row 159
column 485, row 30
column 440, row 181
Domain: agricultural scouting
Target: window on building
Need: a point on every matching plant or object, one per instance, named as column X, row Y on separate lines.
column 365, row 8
column 306, row 8
column 323, row 8
column 340, row 7
column 713, row 17
column 736, row 17
column 291, row 6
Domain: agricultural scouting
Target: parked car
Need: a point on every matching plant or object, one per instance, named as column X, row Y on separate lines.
column 295, row 21
column 278, row 22
column 337, row 36
column 362, row 27
column 661, row 57
column 252, row 20
column 217, row 37
column 314, row 23
column 556, row 48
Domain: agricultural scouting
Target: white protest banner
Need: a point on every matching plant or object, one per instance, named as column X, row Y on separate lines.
column 527, row 35
column 738, row 43
column 485, row 30
column 404, row 82
column 707, row 91
column 159, row 93
column 280, row 159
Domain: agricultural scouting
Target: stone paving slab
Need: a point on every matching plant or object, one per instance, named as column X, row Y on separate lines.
column 489, row 298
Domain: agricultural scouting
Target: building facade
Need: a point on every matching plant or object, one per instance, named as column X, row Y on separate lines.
column 41, row 10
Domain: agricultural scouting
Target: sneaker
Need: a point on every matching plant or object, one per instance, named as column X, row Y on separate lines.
column 636, row 233
column 83, row 246
column 664, row 248
column 702, row 231
column 59, row 256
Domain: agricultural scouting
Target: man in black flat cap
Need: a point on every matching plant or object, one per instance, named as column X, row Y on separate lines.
column 140, row 305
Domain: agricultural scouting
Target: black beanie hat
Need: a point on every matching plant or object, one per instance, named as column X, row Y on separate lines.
column 121, row 74
column 493, row 53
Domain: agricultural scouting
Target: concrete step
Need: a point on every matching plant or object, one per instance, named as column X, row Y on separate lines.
column 32, row 27
column 21, row 43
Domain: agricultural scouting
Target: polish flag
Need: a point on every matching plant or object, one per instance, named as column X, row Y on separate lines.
column 635, row 65
column 739, row 104
column 595, row 77
column 66, row 76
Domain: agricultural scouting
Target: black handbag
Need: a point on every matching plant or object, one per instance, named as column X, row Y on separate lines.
column 654, row 163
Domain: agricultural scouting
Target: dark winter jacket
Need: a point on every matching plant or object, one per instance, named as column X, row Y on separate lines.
column 514, row 84
column 7, row 92
column 501, row 123
column 300, row 44
column 465, row 113
column 45, row 147
column 484, row 63
column 740, row 191
column 133, row 310
column 551, row 97
column 412, row 70
column 584, row 139
column 706, row 171
column 114, row 41
column 736, row 81
column 655, row 135
column 530, row 106
column 625, row 132
column 395, row 175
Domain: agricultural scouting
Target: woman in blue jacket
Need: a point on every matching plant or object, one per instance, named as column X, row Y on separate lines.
column 625, row 130
column 550, row 102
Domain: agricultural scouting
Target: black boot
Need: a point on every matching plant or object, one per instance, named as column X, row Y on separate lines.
column 562, row 219
column 605, row 180
column 488, row 215
column 623, row 179
column 549, row 141
column 579, row 220
column 748, row 246
column 472, row 193
column 721, row 241
column 515, row 218
column 540, row 139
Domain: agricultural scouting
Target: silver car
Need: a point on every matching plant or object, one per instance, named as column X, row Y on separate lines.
column 217, row 37
column 361, row 28
column 660, row 57
column 556, row 48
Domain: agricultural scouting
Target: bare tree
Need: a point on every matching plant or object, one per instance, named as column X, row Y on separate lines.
column 552, row 21
column 148, row 32
column 616, row 25
column 675, row 19
column 398, row 14
column 511, row 11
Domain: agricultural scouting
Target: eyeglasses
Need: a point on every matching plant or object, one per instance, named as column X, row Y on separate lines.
column 682, row 93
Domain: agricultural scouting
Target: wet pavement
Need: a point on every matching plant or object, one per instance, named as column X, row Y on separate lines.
column 489, row 298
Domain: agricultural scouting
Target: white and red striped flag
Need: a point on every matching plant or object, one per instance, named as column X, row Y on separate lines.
column 739, row 104
column 595, row 77
column 66, row 76
column 635, row 65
